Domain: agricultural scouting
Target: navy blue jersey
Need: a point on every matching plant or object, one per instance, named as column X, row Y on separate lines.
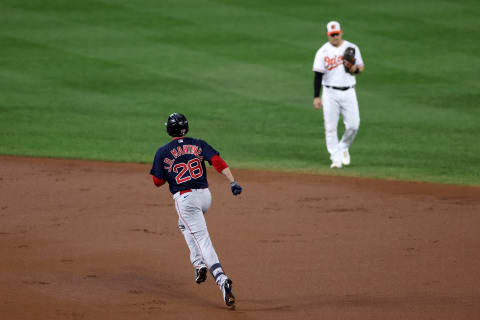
column 181, row 163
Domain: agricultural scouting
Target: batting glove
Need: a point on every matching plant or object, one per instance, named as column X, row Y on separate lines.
column 236, row 188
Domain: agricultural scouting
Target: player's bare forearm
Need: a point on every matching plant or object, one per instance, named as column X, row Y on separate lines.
column 228, row 174
column 356, row 69
column 236, row 188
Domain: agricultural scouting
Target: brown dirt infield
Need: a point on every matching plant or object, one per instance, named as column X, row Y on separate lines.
column 96, row 240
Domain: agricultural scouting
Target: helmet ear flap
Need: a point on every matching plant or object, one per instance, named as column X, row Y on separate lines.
column 177, row 125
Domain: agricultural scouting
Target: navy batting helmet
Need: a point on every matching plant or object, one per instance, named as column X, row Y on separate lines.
column 177, row 125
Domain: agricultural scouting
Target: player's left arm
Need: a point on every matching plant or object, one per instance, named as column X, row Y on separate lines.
column 221, row 166
column 213, row 157
column 359, row 66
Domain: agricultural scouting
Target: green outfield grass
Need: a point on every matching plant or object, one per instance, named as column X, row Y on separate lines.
column 97, row 79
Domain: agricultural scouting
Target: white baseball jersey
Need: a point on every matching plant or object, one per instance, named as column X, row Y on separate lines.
column 329, row 61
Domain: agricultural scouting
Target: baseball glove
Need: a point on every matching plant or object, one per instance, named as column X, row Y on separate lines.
column 348, row 58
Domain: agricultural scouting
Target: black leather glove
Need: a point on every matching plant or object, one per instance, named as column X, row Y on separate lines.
column 349, row 59
column 236, row 188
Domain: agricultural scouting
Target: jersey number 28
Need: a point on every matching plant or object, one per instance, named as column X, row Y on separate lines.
column 194, row 167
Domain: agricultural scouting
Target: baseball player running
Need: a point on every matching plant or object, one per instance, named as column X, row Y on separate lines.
column 335, row 66
column 181, row 163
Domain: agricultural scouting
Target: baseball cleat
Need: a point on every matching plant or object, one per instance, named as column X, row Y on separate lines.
column 336, row 164
column 201, row 275
column 227, row 293
column 346, row 158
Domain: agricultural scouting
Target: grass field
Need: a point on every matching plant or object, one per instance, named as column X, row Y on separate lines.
column 97, row 79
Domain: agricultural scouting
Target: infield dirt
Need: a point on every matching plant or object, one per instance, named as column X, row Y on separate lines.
column 97, row 240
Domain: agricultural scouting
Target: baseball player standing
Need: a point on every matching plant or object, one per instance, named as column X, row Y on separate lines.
column 335, row 66
column 181, row 163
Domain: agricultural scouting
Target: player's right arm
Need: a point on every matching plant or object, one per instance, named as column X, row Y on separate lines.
column 319, row 70
column 317, row 84
column 158, row 182
column 157, row 173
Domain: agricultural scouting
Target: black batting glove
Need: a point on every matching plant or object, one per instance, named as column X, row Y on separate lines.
column 236, row 188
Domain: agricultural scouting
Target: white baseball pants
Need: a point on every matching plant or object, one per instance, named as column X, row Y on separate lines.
column 336, row 102
column 191, row 207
